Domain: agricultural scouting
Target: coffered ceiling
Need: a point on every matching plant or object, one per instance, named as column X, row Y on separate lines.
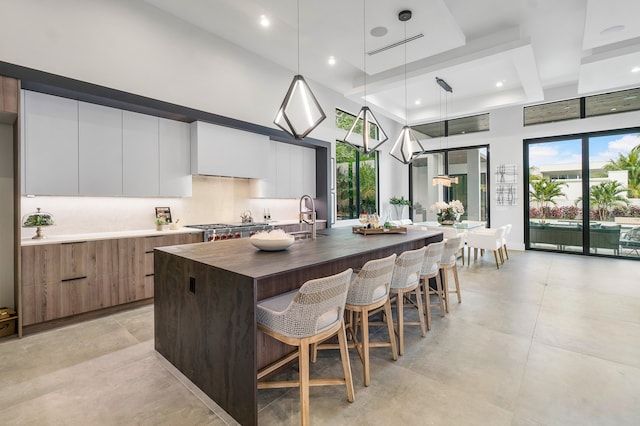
column 529, row 46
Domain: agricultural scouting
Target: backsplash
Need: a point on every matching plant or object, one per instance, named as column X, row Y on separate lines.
column 214, row 200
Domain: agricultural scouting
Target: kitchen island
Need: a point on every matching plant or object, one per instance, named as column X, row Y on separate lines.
column 206, row 296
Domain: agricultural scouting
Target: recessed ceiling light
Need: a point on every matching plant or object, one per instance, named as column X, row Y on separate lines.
column 264, row 21
column 612, row 30
column 614, row 109
column 418, row 101
column 635, row 69
column 379, row 31
column 332, row 60
column 499, row 84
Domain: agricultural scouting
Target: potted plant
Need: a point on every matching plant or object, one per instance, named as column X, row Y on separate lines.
column 160, row 222
column 398, row 205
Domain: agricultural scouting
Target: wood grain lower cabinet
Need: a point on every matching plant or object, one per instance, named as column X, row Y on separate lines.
column 61, row 280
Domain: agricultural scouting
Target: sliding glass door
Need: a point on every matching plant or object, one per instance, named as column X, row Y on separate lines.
column 584, row 194
column 555, row 189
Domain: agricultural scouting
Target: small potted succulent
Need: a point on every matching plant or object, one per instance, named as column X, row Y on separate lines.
column 160, row 222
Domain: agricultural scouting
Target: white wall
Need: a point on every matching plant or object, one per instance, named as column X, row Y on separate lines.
column 6, row 218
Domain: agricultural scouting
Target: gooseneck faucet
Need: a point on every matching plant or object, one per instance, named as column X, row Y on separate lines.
column 308, row 217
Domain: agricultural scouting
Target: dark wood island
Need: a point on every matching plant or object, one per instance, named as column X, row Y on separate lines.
column 206, row 294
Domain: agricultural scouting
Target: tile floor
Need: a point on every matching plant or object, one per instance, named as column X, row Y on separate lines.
column 548, row 339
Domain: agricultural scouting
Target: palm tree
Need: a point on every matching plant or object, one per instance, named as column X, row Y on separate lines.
column 605, row 196
column 630, row 163
column 543, row 190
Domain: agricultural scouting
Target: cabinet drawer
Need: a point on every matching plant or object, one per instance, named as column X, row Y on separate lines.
column 40, row 264
column 64, row 298
column 73, row 260
column 148, row 263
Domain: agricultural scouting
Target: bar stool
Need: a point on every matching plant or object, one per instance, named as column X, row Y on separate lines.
column 431, row 269
column 369, row 291
column 405, row 281
column 448, row 261
column 303, row 317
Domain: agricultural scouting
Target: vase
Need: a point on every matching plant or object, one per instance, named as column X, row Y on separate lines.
column 398, row 211
column 446, row 219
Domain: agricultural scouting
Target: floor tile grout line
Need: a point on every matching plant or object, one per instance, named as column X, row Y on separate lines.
column 533, row 334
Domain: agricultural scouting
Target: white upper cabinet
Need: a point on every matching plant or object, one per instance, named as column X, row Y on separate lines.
column 50, row 145
column 141, row 159
column 309, row 172
column 291, row 172
column 79, row 148
column 100, row 150
column 223, row 151
column 175, row 159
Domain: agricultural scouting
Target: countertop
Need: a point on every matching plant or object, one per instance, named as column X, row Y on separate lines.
column 71, row 238
column 240, row 256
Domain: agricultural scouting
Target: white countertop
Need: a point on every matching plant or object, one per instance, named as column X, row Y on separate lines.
column 70, row 238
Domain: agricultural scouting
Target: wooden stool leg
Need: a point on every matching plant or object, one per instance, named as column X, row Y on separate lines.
column 346, row 365
column 392, row 335
column 365, row 347
column 455, row 278
column 445, row 290
column 506, row 252
column 427, row 303
column 440, row 298
column 420, row 310
column 303, row 361
column 400, row 312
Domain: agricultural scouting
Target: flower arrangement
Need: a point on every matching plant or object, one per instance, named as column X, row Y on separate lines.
column 448, row 212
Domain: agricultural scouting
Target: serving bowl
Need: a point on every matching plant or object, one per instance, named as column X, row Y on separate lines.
column 275, row 243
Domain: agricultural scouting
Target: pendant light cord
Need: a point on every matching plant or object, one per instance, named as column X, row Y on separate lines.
column 406, row 106
column 364, row 44
column 298, row 18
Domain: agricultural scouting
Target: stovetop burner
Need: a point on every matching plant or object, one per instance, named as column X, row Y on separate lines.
column 225, row 231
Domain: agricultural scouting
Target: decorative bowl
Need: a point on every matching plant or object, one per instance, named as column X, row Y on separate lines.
column 272, row 244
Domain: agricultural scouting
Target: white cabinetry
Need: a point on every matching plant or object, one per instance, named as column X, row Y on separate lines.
column 291, row 172
column 50, row 145
column 223, row 151
column 140, row 160
column 78, row 148
column 175, row 159
column 100, row 150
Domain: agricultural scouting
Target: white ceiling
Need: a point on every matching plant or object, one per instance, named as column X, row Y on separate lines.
column 529, row 45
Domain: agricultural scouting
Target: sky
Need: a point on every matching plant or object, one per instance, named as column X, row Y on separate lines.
column 602, row 148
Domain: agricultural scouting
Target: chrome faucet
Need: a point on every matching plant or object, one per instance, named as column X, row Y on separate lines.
column 308, row 217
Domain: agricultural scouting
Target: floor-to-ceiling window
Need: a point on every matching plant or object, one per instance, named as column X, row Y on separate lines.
column 469, row 165
column 584, row 193
column 356, row 173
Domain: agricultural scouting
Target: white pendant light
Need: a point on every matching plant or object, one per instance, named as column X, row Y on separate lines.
column 365, row 114
column 300, row 111
column 407, row 146
column 444, row 179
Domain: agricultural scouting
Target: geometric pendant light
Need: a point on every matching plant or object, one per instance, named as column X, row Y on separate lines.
column 300, row 111
column 407, row 146
column 365, row 117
